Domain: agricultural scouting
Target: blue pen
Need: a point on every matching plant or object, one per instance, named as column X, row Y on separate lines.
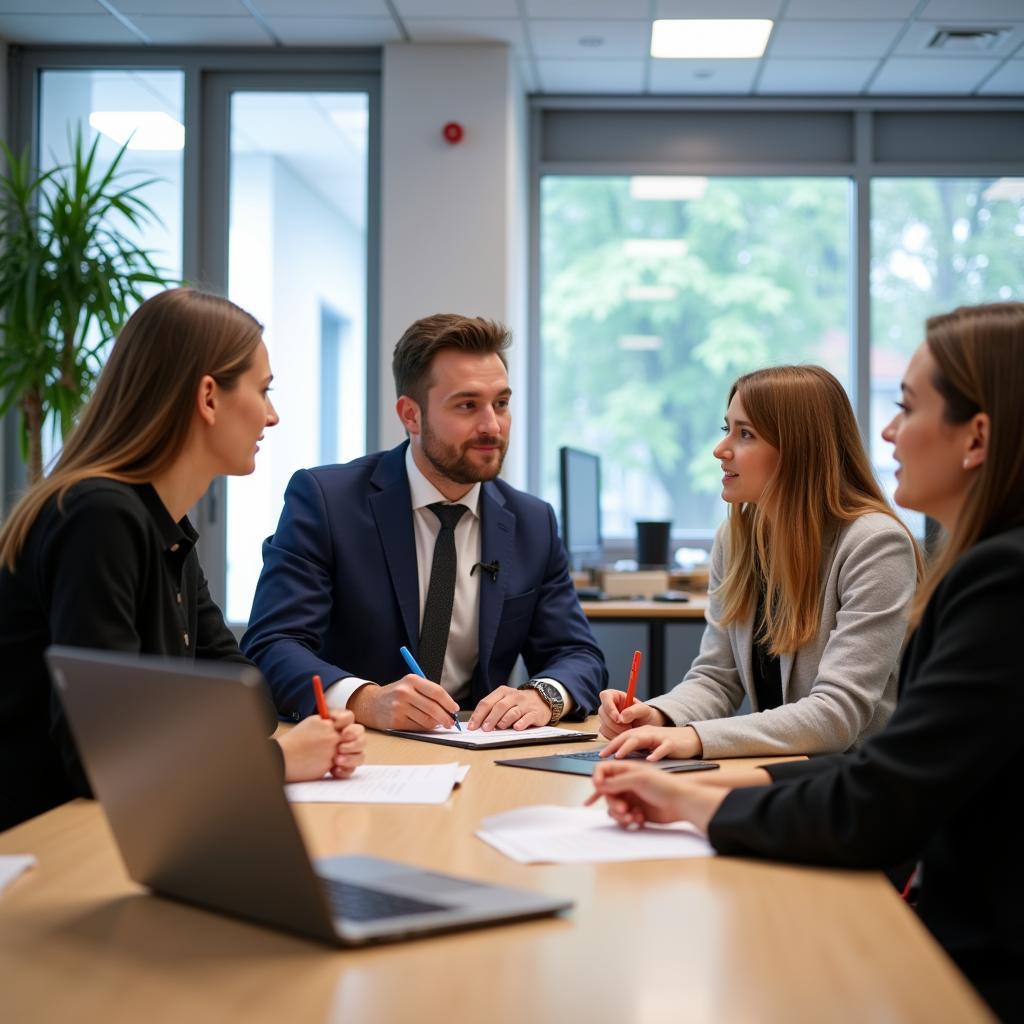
column 413, row 667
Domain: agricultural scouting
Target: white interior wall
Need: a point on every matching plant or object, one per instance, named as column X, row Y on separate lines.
column 452, row 216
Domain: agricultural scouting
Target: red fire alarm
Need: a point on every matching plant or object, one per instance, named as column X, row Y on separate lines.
column 452, row 132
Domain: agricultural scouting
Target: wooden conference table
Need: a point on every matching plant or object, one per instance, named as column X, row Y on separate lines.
column 711, row 939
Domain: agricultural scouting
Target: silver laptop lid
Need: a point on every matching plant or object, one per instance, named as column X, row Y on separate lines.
column 176, row 752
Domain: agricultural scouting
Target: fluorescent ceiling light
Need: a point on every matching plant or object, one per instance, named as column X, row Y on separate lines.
column 708, row 39
column 141, row 129
column 640, row 342
column 1004, row 188
column 666, row 186
column 663, row 248
column 651, row 293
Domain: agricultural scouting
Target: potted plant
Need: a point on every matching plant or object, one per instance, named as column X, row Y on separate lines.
column 69, row 278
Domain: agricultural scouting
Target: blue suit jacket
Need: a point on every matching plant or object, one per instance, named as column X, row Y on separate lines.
column 339, row 592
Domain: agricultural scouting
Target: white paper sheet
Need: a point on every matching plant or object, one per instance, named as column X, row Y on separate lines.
column 382, row 784
column 12, row 865
column 546, row 834
column 479, row 738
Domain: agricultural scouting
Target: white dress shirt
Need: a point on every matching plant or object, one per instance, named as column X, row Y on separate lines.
column 462, row 653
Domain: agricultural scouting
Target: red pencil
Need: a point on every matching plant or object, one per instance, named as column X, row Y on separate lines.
column 634, row 671
column 318, row 692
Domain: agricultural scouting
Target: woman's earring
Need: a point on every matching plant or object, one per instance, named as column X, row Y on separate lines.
column 967, row 463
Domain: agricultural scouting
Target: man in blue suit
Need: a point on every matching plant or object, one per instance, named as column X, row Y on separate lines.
column 423, row 546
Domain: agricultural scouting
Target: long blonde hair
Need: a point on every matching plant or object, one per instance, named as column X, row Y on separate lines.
column 823, row 479
column 979, row 355
column 139, row 417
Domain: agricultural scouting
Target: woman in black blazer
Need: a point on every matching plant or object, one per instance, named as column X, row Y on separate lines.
column 939, row 784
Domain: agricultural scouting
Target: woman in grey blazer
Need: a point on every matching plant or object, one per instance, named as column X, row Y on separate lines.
column 811, row 578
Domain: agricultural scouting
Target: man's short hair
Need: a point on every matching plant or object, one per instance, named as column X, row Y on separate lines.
column 416, row 349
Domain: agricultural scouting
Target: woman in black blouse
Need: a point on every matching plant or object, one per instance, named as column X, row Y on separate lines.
column 101, row 552
column 939, row 784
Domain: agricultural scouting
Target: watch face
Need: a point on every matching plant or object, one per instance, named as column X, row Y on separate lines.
column 549, row 693
column 552, row 698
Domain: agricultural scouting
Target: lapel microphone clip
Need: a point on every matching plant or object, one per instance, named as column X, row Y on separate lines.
column 491, row 568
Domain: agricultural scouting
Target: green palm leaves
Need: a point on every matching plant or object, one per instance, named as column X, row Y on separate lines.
column 69, row 278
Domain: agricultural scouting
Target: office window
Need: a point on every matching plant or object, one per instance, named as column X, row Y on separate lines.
column 142, row 108
column 297, row 262
column 656, row 293
column 936, row 243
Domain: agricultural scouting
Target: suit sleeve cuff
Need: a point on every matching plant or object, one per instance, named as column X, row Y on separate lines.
column 340, row 692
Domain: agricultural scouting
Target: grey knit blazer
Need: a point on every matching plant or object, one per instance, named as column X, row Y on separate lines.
column 837, row 690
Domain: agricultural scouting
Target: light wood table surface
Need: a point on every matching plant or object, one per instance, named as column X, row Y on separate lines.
column 712, row 939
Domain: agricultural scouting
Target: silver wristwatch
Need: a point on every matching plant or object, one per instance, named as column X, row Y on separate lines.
column 550, row 695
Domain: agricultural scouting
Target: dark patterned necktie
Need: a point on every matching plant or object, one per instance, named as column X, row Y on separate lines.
column 437, row 612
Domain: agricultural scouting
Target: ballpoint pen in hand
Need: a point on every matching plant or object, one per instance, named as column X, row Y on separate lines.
column 414, row 667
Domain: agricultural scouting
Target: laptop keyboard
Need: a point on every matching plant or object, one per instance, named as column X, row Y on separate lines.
column 358, row 903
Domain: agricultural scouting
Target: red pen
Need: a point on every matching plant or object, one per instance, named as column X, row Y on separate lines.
column 318, row 692
column 634, row 671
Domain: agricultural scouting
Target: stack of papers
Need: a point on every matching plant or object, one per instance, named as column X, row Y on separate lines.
column 382, row 784
column 12, row 865
column 585, row 835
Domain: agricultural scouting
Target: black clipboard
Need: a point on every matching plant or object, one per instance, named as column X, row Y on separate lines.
column 449, row 740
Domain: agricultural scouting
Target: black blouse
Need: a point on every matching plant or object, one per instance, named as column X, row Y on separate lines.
column 107, row 569
column 765, row 666
column 940, row 783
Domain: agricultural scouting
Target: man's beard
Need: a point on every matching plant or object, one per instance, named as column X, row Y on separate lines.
column 454, row 463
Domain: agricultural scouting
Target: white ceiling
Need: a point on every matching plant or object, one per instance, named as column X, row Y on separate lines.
column 818, row 47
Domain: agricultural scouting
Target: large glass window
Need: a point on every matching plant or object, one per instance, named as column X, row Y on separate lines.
column 936, row 243
column 656, row 292
column 297, row 262
column 143, row 109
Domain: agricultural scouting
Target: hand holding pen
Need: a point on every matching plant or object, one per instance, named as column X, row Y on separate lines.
column 328, row 742
column 619, row 710
column 414, row 667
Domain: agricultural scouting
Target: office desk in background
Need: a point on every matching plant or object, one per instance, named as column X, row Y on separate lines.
column 712, row 939
column 670, row 638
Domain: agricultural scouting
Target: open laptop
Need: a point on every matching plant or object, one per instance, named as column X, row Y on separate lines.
column 584, row 762
column 177, row 754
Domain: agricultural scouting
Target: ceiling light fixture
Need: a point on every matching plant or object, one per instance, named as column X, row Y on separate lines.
column 667, row 186
column 141, row 129
column 651, row 293
column 656, row 248
column 1004, row 188
column 710, row 39
column 640, row 342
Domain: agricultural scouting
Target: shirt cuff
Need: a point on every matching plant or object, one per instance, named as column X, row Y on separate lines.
column 567, row 704
column 340, row 692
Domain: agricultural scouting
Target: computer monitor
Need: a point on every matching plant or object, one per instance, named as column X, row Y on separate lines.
column 581, row 506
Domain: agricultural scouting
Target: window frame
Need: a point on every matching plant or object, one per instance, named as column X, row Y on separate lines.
column 856, row 139
column 209, row 78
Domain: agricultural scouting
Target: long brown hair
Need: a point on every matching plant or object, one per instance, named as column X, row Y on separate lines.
column 139, row 417
column 979, row 357
column 823, row 478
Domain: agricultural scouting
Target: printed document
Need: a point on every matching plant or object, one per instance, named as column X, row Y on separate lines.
column 382, row 784
column 546, row 834
column 12, row 865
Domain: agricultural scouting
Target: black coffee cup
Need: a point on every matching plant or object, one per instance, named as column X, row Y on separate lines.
column 653, row 539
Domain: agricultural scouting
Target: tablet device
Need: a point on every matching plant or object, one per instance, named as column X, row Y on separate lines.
column 584, row 763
